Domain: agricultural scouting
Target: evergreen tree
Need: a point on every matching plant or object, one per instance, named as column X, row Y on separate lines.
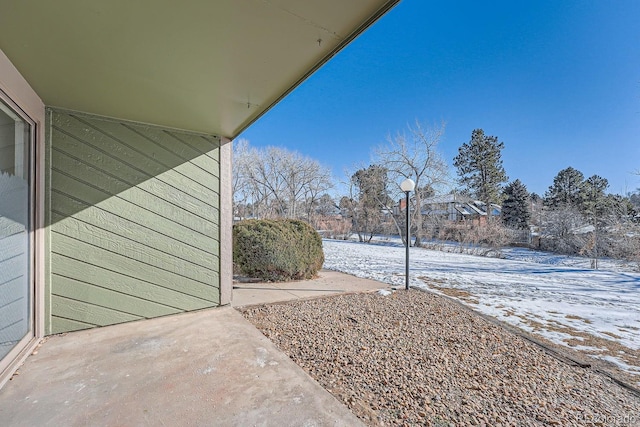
column 620, row 208
column 372, row 184
column 593, row 200
column 566, row 189
column 479, row 164
column 515, row 208
column 371, row 195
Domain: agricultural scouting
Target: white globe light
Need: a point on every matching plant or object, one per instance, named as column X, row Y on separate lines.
column 407, row 185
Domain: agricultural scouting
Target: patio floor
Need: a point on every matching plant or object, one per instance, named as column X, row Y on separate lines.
column 207, row 368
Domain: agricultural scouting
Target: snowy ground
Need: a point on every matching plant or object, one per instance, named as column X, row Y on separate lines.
column 557, row 297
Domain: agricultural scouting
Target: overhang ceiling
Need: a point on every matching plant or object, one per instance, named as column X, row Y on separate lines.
column 211, row 66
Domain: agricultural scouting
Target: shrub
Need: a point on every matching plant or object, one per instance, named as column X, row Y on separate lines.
column 277, row 250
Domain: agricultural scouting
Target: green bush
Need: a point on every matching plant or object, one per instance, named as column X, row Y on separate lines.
column 277, row 250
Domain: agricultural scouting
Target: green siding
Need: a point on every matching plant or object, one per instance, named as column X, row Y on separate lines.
column 134, row 221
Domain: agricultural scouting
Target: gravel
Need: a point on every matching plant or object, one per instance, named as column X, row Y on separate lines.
column 415, row 358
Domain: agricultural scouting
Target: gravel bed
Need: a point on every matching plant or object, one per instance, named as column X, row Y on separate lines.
column 414, row 358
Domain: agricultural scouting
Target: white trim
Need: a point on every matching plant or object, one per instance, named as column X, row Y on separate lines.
column 18, row 91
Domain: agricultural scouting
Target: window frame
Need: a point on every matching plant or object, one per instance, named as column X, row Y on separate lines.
column 16, row 93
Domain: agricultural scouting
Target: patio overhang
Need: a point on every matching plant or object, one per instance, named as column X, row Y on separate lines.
column 201, row 65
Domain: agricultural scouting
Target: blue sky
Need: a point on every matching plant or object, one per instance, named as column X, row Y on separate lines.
column 557, row 81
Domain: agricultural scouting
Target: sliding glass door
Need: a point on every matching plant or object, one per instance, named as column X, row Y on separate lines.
column 16, row 226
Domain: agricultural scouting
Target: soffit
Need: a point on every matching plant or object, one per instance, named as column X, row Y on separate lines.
column 203, row 65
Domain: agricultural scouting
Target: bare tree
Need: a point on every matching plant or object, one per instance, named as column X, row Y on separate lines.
column 414, row 154
column 277, row 182
column 564, row 230
column 241, row 184
column 624, row 241
column 314, row 180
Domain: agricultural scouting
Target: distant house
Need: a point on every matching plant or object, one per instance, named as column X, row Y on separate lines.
column 455, row 207
column 116, row 121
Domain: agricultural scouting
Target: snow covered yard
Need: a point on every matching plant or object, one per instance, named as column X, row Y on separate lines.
column 559, row 298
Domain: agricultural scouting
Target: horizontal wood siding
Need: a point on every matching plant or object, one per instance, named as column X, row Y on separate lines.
column 135, row 221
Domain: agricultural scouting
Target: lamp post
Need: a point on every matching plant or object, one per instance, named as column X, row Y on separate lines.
column 407, row 186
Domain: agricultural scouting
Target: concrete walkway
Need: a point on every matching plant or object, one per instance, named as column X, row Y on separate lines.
column 329, row 283
column 208, row 368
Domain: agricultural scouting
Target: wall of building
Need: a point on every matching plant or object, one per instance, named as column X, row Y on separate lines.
column 134, row 221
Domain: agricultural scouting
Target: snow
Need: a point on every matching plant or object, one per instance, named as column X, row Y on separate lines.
column 551, row 295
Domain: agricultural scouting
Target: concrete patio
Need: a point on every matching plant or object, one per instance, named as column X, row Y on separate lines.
column 207, row 368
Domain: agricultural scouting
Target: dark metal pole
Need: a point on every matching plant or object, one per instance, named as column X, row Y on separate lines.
column 408, row 239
